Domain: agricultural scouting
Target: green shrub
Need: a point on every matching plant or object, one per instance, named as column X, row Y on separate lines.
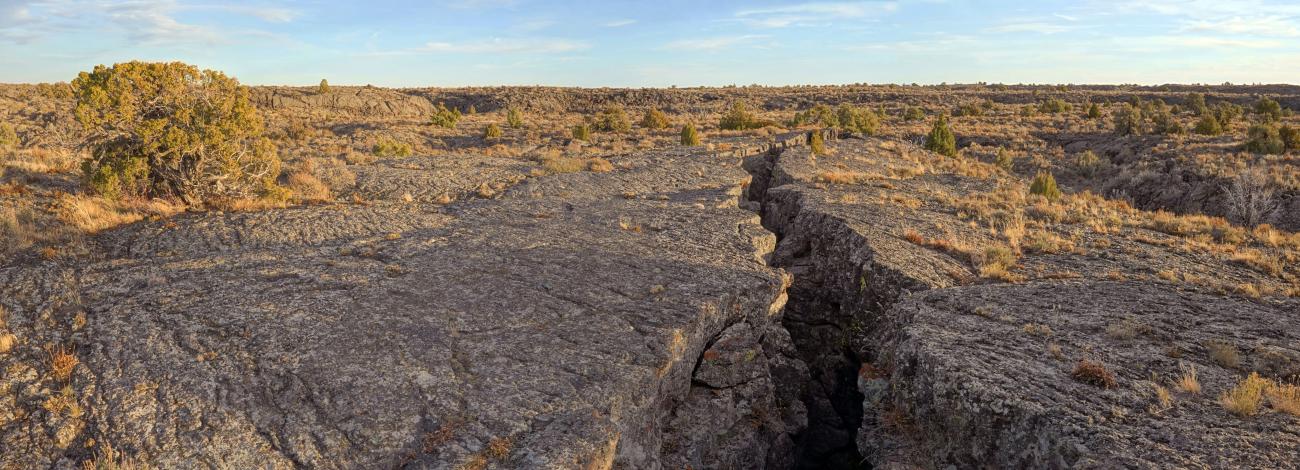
column 1087, row 163
column 689, row 135
column 1165, row 123
column 654, row 119
column 913, row 113
column 492, row 131
column 1268, row 109
column 388, row 147
column 941, row 139
column 816, row 143
column 445, row 118
column 324, row 86
column 1094, row 111
column 1044, row 184
column 968, row 109
column 860, row 120
column 1225, row 113
column 737, row 118
column 1196, row 103
column 471, row 110
column 582, row 132
column 1128, row 120
column 171, row 130
column 8, row 136
column 820, row 115
column 1208, row 125
column 1004, row 159
column 1290, row 137
column 1054, row 106
column 613, row 119
column 514, row 118
column 1264, row 138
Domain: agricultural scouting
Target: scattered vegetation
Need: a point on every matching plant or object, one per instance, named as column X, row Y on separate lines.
column 514, row 118
column 8, row 136
column 582, row 132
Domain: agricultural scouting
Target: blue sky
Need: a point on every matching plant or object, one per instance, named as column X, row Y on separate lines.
column 664, row 42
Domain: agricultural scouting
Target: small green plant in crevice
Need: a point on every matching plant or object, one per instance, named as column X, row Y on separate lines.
column 514, row 118
column 444, row 117
column 1044, row 184
column 941, row 139
column 690, row 136
column 492, row 131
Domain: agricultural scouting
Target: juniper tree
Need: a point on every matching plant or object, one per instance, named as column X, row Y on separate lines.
column 941, row 139
column 689, row 135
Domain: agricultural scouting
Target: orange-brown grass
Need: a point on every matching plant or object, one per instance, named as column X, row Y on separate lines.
column 62, row 363
column 1244, row 399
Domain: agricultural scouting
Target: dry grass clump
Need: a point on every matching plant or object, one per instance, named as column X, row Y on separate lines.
column 844, row 177
column 62, row 363
column 1285, row 398
column 108, row 458
column 1188, row 381
column 40, row 160
column 996, row 262
column 1094, row 373
column 92, row 214
column 1223, row 354
column 1245, row 398
column 599, row 165
column 18, row 229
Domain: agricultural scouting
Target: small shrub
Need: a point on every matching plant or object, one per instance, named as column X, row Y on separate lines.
column 968, row 110
column 1208, row 125
column 1165, row 123
column 1087, row 163
column 816, row 143
column 913, row 113
column 1268, row 110
column 1290, row 137
column 1004, row 159
column 1094, row 373
column 1044, row 184
column 1094, row 111
column 1196, row 103
column 1226, row 113
column 445, row 118
column 1054, row 106
column 471, row 110
column 689, row 135
column 1249, row 200
column 8, row 136
column 1188, row 382
column 820, row 115
column 599, row 165
column 941, row 139
column 1223, row 354
column 738, row 117
column 514, row 118
column 1264, row 139
column 860, row 120
column 1244, row 399
column 387, row 147
column 654, row 119
column 612, row 119
column 324, row 86
column 1128, row 120
column 582, row 132
column 492, row 131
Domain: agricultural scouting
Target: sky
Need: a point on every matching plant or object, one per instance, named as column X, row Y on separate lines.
column 661, row 43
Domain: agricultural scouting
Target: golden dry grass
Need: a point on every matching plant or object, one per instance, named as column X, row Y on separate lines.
column 1244, row 399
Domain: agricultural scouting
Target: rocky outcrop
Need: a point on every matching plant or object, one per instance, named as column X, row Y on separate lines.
column 624, row 319
column 952, row 370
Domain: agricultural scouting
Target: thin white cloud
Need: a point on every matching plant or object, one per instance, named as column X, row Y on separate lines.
column 1259, row 26
column 1041, row 27
column 813, row 13
column 618, row 23
column 713, row 43
column 506, row 46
